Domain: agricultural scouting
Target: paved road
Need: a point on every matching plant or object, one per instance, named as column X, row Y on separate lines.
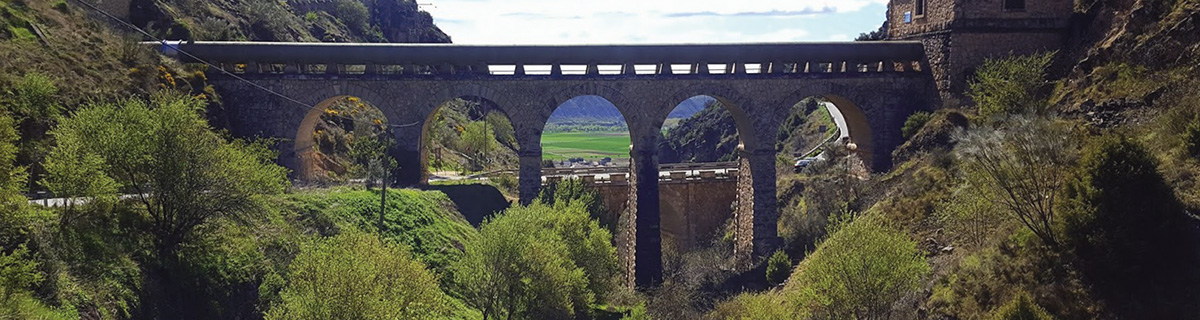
column 838, row 119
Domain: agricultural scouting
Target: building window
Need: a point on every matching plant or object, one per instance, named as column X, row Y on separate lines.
column 920, row 8
column 1014, row 5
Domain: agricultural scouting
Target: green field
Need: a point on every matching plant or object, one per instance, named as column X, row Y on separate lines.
column 587, row 145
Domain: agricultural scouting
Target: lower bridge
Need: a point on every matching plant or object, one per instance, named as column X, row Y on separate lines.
column 695, row 199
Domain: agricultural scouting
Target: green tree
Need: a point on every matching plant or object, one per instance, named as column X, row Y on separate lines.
column 1011, row 85
column 164, row 153
column 478, row 143
column 861, row 270
column 357, row 276
column 1020, row 308
column 538, row 262
column 12, row 178
column 1192, row 139
column 355, row 15
column 1124, row 221
column 18, row 274
column 779, row 267
column 1022, row 168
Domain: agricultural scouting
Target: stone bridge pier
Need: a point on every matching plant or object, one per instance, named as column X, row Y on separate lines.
column 875, row 85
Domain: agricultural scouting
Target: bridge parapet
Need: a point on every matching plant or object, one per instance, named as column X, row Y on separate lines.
column 668, row 174
column 579, row 61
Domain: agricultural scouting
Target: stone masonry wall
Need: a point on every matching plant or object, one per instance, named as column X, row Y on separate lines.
column 994, row 9
column 970, row 50
column 959, row 35
column 938, row 15
column 692, row 212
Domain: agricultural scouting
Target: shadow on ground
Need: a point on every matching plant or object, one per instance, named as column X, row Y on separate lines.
column 476, row 202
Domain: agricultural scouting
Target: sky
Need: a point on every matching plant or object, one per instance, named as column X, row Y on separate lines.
column 653, row 21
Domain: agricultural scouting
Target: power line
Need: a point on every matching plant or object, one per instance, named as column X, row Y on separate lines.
column 164, row 42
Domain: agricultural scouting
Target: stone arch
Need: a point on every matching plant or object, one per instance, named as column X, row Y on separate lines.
column 423, row 148
column 862, row 131
column 460, row 90
column 303, row 144
column 732, row 100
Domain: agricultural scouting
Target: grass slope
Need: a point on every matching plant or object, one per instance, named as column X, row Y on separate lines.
column 427, row 221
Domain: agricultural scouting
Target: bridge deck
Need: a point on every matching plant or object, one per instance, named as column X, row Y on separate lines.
column 761, row 59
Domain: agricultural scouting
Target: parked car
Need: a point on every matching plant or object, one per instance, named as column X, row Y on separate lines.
column 803, row 163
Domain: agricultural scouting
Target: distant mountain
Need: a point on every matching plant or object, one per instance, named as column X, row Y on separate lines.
column 597, row 109
column 690, row 107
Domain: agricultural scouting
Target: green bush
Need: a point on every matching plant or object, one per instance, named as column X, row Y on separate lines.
column 1020, row 308
column 357, row 276
column 861, row 270
column 756, row 306
column 914, row 123
column 355, row 15
column 779, row 267
column 1010, row 86
column 1124, row 221
column 18, row 275
column 1192, row 139
column 548, row 262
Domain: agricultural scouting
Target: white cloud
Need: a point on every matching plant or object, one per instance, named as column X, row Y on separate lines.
column 633, row 21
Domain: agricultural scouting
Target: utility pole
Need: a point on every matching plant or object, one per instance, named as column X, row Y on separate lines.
column 383, row 198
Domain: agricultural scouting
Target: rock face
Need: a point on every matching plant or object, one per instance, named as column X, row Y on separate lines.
column 396, row 21
column 403, row 22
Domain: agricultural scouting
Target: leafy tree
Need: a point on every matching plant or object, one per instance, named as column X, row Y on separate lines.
column 538, row 262
column 1011, row 85
column 1126, row 224
column 861, row 270
column 914, row 123
column 1022, row 168
column 355, row 15
column 1021, row 308
column 18, row 273
column 370, row 155
column 972, row 214
column 357, row 276
column 1192, row 139
column 164, row 153
column 877, row 35
column 779, row 267
column 570, row 191
column 478, row 142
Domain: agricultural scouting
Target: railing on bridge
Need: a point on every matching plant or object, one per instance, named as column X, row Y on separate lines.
column 675, row 172
column 422, row 60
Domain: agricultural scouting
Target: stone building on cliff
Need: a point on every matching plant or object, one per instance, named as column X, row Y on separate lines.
column 960, row 34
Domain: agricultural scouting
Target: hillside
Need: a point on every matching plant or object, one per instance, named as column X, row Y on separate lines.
column 710, row 135
column 397, row 21
column 1106, row 146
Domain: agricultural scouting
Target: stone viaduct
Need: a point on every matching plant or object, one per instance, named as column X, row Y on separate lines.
column 876, row 85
